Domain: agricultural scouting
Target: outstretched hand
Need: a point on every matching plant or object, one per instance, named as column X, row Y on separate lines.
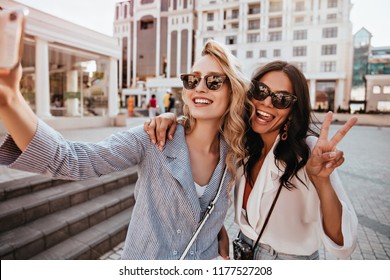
column 159, row 127
column 325, row 157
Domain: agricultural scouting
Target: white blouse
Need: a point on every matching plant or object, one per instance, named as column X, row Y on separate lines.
column 295, row 225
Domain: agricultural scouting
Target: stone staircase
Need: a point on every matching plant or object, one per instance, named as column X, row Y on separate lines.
column 43, row 218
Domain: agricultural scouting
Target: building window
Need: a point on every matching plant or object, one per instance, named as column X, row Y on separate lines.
column 146, row 24
column 253, row 38
column 328, row 66
column 332, row 3
column 299, row 51
column 249, row 54
column 234, row 52
column 300, row 6
column 210, row 16
column 275, row 36
column 300, row 34
column 231, row 40
column 254, row 9
column 263, row 53
column 275, row 22
column 235, row 25
column 206, row 39
column 275, row 6
column 235, row 14
column 329, row 32
column 146, row 2
column 329, row 49
column 384, row 106
column 210, row 28
column 386, row 89
column 277, row 53
column 331, row 17
column 299, row 19
column 376, row 90
column 253, row 24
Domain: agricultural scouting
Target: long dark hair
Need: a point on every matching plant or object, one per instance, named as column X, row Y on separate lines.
column 292, row 153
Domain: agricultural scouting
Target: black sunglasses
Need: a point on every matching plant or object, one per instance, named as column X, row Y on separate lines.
column 279, row 99
column 213, row 81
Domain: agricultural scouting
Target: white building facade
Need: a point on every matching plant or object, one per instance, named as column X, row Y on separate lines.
column 316, row 35
column 66, row 65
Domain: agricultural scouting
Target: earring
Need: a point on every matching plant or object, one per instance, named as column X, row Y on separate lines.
column 285, row 132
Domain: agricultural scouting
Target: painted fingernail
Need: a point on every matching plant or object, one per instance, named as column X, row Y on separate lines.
column 329, row 165
column 332, row 154
column 153, row 141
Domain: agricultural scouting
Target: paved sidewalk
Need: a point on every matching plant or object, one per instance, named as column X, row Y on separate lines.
column 365, row 175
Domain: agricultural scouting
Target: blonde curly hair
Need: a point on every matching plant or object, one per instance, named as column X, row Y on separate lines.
column 232, row 126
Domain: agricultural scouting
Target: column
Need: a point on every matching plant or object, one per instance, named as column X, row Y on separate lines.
column 315, row 10
column 128, row 60
column 340, row 94
column 169, row 51
column 178, row 53
column 42, row 88
column 120, row 62
column 135, row 26
column 189, row 48
column 113, row 100
column 312, row 93
column 158, row 31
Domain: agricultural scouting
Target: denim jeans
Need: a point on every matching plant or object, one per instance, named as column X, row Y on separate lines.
column 266, row 252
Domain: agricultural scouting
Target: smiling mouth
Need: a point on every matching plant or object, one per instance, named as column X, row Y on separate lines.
column 202, row 101
column 263, row 116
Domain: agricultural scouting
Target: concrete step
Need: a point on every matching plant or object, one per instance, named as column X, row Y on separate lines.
column 26, row 185
column 34, row 237
column 91, row 243
column 26, row 208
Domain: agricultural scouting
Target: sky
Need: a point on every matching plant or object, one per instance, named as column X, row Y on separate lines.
column 99, row 15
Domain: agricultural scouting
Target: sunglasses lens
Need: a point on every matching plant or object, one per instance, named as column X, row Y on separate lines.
column 214, row 82
column 190, row 81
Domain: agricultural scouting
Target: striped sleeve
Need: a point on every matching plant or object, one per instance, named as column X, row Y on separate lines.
column 50, row 154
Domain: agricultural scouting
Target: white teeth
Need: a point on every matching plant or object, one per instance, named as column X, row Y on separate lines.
column 263, row 113
column 202, row 101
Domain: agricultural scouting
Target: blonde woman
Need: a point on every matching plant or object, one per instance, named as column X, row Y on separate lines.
column 174, row 186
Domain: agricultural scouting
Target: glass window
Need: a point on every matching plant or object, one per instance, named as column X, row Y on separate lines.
column 386, row 89
column 277, row 53
column 275, row 22
column 253, row 24
column 249, row 54
column 384, row 106
column 252, row 38
column 254, row 9
column 263, row 53
column 376, row 89
column 275, row 36
column 329, row 32
column 301, row 66
column 235, row 14
column 234, row 52
column 210, row 28
column 299, row 51
column 328, row 66
column 300, row 34
column 332, row 3
column 300, row 6
column 329, row 49
column 299, row 19
column 275, row 6
column 210, row 16
column 231, row 40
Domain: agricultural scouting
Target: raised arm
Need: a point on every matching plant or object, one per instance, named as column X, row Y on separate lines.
column 323, row 160
column 15, row 113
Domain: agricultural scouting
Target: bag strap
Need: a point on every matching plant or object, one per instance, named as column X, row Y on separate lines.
column 268, row 216
column 206, row 215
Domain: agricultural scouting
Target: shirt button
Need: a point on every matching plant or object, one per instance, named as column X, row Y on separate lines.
column 174, row 252
column 178, row 231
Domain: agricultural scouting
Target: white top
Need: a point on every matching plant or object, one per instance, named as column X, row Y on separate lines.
column 200, row 189
column 295, row 225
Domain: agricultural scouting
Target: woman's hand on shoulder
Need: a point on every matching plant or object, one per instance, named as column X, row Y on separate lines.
column 160, row 128
column 325, row 156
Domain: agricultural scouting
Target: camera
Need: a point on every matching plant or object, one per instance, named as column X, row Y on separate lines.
column 242, row 250
column 12, row 23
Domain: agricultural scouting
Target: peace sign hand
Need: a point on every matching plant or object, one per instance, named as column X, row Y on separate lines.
column 325, row 157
